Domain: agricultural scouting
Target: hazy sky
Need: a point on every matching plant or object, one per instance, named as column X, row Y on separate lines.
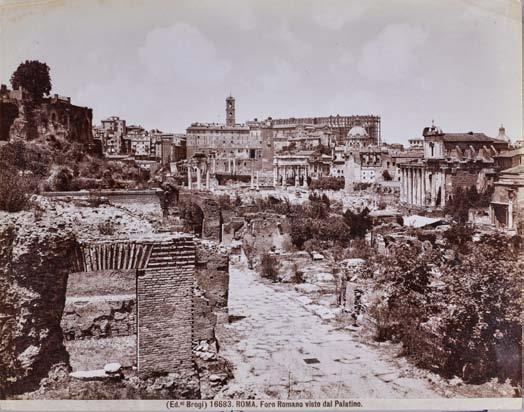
column 165, row 64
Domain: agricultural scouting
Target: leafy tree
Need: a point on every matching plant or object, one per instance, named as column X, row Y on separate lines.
column 34, row 77
column 386, row 175
column 359, row 223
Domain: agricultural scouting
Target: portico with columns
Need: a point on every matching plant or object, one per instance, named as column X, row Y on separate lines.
column 422, row 186
column 198, row 174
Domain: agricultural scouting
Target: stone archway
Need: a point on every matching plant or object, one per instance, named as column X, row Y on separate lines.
column 212, row 222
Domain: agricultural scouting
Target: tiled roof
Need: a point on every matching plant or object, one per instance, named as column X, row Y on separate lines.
column 467, row 137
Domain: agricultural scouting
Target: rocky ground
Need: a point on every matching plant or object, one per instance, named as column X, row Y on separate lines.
column 283, row 346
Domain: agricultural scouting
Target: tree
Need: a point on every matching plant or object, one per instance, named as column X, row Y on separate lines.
column 386, row 175
column 34, row 77
column 359, row 223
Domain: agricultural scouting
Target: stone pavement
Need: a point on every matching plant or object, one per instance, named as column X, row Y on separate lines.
column 280, row 350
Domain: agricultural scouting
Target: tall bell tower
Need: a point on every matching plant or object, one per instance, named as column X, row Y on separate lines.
column 230, row 111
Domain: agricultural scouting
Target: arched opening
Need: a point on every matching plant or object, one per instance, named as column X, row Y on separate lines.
column 192, row 217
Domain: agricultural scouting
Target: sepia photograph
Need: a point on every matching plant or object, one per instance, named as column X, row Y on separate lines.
column 261, row 204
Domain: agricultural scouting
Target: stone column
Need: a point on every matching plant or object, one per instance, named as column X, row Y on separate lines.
column 296, row 171
column 420, row 183
column 234, row 166
column 284, row 177
column 229, row 166
column 252, row 183
column 189, row 178
column 304, row 177
column 257, row 185
column 208, row 180
column 443, row 190
column 214, row 165
column 510, row 215
column 275, row 175
column 403, row 185
column 410, row 186
column 199, row 178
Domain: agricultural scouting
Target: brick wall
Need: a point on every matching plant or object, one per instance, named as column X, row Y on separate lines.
column 165, row 308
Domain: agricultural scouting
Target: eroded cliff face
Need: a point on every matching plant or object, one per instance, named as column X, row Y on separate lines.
column 36, row 257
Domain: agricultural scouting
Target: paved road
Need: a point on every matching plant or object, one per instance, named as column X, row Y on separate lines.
column 271, row 346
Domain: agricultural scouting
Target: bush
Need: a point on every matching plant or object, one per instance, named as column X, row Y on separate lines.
column 107, row 228
column 269, row 267
column 327, row 183
column 359, row 223
column 386, row 175
column 15, row 191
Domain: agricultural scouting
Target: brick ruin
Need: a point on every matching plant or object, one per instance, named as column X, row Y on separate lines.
column 180, row 290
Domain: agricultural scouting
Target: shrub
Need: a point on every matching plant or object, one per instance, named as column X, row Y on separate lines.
column 107, row 228
column 327, row 183
column 15, row 191
column 386, row 175
column 359, row 223
column 269, row 266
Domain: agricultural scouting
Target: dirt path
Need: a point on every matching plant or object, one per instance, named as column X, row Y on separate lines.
column 283, row 351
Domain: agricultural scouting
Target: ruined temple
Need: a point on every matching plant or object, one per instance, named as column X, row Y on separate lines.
column 51, row 118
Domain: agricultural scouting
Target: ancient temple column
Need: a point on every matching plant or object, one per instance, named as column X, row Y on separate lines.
column 443, row 190
column 304, row 177
column 252, row 183
column 510, row 215
column 420, row 187
column 410, row 185
column 189, row 178
column 199, row 178
column 208, row 180
column 284, row 177
column 402, row 185
column 214, row 165
column 275, row 175
column 296, row 171
column 257, row 185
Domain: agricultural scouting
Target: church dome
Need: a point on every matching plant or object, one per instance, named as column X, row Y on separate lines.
column 357, row 132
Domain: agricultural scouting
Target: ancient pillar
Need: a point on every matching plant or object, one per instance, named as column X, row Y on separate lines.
column 443, row 190
column 402, row 185
column 234, row 166
column 304, row 177
column 284, row 178
column 208, row 180
column 296, row 171
column 229, row 166
column 189, row 178
column 214, row 165
column 257, row 185
column 252, row 183
column 510, row 215
column 199, row 183
column 275, row 175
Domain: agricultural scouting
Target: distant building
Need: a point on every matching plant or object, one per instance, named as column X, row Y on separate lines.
column 111, row 135
column 53, row 118
column 507, row 204
column 451, row 160
column 231, row 148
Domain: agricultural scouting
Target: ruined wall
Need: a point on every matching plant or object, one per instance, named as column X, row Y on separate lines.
column 35, row 259
column 52, row 118
column 164, row 308
column 211, row 289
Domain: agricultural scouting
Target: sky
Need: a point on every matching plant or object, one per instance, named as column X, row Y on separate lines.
column 166, row 64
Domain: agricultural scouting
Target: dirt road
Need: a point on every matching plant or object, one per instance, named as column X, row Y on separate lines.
column 281, row 350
